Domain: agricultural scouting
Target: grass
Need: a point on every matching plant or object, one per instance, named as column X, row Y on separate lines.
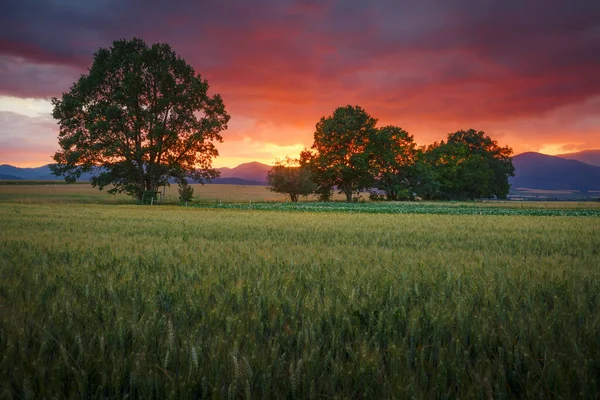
column 109, row 301
column 85, row 193
column 58, row 193
column 43, row 192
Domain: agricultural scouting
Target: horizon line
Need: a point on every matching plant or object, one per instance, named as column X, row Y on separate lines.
column 270, row 165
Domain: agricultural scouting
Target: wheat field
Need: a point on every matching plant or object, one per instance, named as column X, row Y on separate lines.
column 115, row 301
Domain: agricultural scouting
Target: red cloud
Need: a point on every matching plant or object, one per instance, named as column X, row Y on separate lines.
column 432, row 67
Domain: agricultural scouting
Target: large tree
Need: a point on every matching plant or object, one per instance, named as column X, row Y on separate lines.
column 471, row 165
column 342, row 150
column 139, row 117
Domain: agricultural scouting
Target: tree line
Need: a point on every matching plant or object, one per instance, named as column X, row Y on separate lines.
column 350, row 154
column 142, row 118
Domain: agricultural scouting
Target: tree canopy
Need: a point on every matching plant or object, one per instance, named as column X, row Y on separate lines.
column 292, row 177
column 471, row 165
column 342, row 150
column 393, row 155
column 139, row 117
column 351, row 154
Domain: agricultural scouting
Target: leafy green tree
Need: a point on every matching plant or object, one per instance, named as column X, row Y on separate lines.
column 322, row 188
column 342, row 150
column 423, row 178
column 140, row 116
column 471, row 165
column 497, row 159
column 446, row 161
column 393, row 152
column 186, row 192
column 292, row 177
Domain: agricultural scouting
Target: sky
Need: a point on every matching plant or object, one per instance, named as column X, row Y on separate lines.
column 527, row 72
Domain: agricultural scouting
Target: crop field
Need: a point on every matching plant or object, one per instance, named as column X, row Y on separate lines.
column 464, row 208
column 82, row 192
column 59, row 192
column 115, row 301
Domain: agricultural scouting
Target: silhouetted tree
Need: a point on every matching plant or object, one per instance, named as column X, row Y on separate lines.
column 292, row 177
column 342, row 151
column 143, row 116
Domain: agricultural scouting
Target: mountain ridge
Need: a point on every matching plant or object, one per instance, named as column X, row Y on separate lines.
column 591, row 156
column 532, row 171
column 250, row 173
column 253, row 171
column 545, row 172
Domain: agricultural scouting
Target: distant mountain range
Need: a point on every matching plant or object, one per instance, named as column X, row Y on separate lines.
column 532, row 171
column 541, row 171
column 38, row 174
column 5, row 177
column 252, row 173
column 591, row 157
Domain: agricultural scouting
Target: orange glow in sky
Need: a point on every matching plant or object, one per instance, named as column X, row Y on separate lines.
column 431, row 67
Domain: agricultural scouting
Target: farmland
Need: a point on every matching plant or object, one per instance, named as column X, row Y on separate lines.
column 109, row 300
column 59, row 192
column 207, row 195
column 458, row 208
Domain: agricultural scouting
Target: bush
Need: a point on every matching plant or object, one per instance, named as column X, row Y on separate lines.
column 149, row 197
column 186, row 192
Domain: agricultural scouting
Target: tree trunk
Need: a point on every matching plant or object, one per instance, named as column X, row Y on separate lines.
column 142, row 188
column 348, row 196
column 294, row 198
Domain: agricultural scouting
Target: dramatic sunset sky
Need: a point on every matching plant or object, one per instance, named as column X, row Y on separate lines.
column 527, row 72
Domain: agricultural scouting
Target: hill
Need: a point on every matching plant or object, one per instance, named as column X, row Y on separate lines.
column 591, row 157
column 532, row 171
column 235, row 181
column 541, row 171
column 6, row 177
column 42, row 173
column 39, row 173
column 252, row 171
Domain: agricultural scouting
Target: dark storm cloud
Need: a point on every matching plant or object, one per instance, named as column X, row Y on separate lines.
column 22, row 78
column 292, row 61
column 317, row 39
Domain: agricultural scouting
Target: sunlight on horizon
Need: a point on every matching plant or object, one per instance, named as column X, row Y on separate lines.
column 561, row 148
